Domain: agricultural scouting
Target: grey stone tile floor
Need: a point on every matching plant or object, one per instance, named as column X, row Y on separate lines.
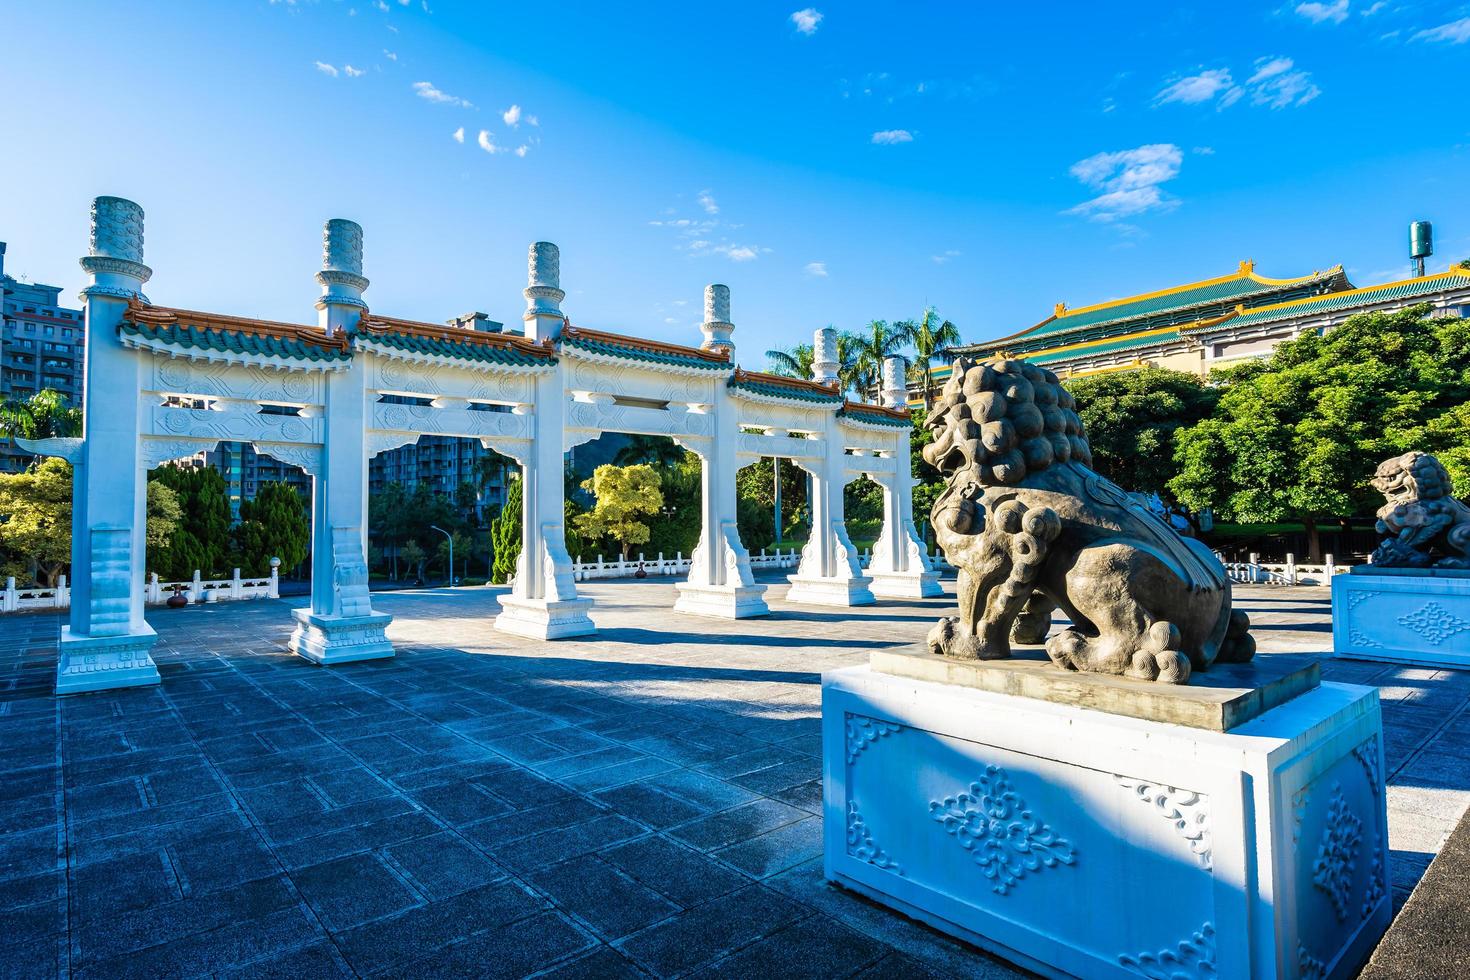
column 645, row 802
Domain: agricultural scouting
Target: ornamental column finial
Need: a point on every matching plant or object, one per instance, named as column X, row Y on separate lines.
column 114, row 257
column 895, row 392
column 717, row 327
column 341, row 277
column 824, row 355
column 543, row 316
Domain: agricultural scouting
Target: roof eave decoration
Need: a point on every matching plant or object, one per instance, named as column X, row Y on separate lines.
column 878, row 416
column 655, row 355
column 430, row 343
column 776, row 389
column 216, row 337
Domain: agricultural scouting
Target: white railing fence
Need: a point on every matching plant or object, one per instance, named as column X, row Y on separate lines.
column 1289, row 572
column 198, row 590
column 677, row 565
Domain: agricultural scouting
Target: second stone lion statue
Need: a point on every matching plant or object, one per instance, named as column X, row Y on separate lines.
column 1031, row 527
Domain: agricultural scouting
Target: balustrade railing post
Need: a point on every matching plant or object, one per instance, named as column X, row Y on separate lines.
column 12, row 601
column 1290, row 569
column 196, row 592
column 1329, row 569
column 273, row 591
column 63, row 599
column 236, row 592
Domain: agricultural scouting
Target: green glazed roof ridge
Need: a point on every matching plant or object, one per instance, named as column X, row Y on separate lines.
column 1101, row 346
column 632, row 353
column 1367, row 294
column 866, row 413
column 781, row 391
column 462, row 350
column 190, row 336
column 1242, row 288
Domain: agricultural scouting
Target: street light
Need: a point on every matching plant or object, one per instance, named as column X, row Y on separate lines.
column 450, row 538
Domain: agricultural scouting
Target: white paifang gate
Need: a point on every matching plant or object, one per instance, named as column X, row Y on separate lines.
column 312, row 396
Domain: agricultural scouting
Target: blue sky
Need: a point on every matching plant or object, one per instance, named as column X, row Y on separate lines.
column 832, row 164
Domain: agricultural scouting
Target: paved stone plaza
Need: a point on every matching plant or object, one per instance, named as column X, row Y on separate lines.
column 645, row 802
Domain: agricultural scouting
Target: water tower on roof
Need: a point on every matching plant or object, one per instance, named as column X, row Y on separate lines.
column 1421, row 245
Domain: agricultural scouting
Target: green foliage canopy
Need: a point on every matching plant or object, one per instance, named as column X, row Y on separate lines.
column 273, row 525
column 1131, row 418
column 624, row 494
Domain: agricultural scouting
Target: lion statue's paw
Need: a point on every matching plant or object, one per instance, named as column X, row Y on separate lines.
column 951, row 638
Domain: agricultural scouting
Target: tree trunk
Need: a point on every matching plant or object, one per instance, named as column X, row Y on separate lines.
column 1314, row 540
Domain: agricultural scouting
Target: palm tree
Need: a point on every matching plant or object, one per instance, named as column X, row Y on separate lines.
column 932, row 341
column 44, row 415
column 657, row 451
column 793, row 363
column 853, row 371
column 882, row 341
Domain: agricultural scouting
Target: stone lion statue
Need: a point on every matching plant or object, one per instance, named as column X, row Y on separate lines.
column 1422, row 524
column 1031, row 527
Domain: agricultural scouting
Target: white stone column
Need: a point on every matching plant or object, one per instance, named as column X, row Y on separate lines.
column 543, row 604
column 900, row 567
column 340, row 625
column 720, row 581
column 829, row 573
column 106, row 641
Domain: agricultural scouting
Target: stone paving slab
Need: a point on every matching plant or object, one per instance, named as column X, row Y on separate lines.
column 643, row 803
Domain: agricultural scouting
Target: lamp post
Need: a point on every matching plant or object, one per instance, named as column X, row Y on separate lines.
column 450, row 538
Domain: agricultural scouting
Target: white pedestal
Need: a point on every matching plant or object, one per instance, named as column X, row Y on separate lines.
column 905, row 585
column 830, row 591
column 340, row 640
column 1415, row 619
column 722, row 601
column 1078, row 843
column 542, row 620
column 102, row 663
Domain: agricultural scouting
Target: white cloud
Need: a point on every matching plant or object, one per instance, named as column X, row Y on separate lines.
column 459, row 135
column 488, row 144
column 739, row 253
column 522, row 150
column 512, row 116
column 326, row 69
column 944, row 257
column 806, row 21
column 354, row 72
column 426, row 90
column 1204, row 151
column 1317, row 13
column 389, row 55
column 1455, row 32
column 1194, row 89
column 381, row 6
column 817, row 270
column 1374, row 9
column 1129, row 181
column 888, row 137
column 707, row 201
column 1276, row 85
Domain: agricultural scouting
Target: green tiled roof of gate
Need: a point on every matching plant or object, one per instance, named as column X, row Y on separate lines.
column 775, row 386
column 646, row 351
column 876, row 415
column 465, row 345
column 1387, row 292
column 231, row 335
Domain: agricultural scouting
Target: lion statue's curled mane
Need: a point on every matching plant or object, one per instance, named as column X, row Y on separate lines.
column 1031, row 527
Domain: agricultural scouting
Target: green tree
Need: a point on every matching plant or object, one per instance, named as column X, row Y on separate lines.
column 273, row 525
column 928, row 481
column 505, row 534
column 42, row 416
column 413, row 555
column 1297, row 437
column 677, row 529
column 793, row 362
column 202, row 540
column 35, row 520
column 624, row 494
column 757, row 482
column 655, row 450
column 932, row 340
column 1131, row 418
column 880, row 341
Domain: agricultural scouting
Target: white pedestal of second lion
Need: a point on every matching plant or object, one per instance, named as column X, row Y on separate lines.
column 1411, row 616
column 1077, row 842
